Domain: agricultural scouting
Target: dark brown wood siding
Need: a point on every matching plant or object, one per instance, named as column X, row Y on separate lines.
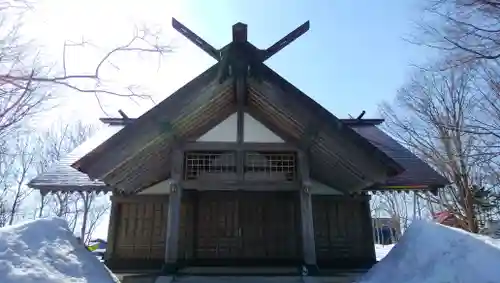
column 342, row 229
column 248, row 226
column 141, row 228
column 186, row 229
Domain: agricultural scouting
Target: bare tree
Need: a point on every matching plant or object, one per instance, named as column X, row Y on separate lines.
column 430, row 116
column 25, row 155
column 16, row 162
column 97, row 207
column 88, row 199
column 468, row 29
column 56, row 143
column 82, row 208
column 26, row 83
column 396, row 206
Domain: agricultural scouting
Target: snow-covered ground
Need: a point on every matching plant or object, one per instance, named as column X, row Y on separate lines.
column 45, row 251
column 432, row 253
column 382, row 250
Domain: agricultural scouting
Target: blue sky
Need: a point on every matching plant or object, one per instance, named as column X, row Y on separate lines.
column 352, row 58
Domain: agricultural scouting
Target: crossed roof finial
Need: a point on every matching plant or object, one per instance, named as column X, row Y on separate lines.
column 240, row 36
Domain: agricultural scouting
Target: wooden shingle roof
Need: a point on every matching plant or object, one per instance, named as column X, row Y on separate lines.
column 417, row 174
column 60, row 176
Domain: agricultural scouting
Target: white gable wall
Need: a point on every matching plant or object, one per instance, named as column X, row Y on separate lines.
column 161, row 188
column 254, row 131
column 227, row 130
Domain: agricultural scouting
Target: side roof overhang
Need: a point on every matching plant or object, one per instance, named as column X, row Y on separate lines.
column 61, row 177
column 418, row 175
column 138, row 156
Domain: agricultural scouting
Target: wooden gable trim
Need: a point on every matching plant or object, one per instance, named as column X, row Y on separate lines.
column 324, row 120
column 135, row 174
column 245, row 185
column 232, row 146
column 312, row 135
column 152, row 124
column 351, row 122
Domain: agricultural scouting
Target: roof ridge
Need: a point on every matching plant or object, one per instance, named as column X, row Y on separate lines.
column 119, row 121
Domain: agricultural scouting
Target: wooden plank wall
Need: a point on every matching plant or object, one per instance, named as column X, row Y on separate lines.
column 342, row 228
column 141, row 230
column 186, row 229
column 141, row 227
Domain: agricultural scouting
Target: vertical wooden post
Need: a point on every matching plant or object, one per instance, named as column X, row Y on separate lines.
column 306, row 213
column 368, row 225
column 240, row 87
column 174, row 211
column 112, row 228
column 240, row 66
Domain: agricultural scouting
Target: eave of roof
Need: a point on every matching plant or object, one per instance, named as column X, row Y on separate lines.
column 60, row 176
column 115, row 121
column 325, row 116
column 143, row 128
column 418, row 175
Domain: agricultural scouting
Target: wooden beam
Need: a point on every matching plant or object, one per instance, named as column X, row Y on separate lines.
column 195, row 39
column 203, row 185
column 306, row 213
column 139, row 198
column 150, row 126
column 233, row 146
column 369, row 243
column 343, row 140
column 307, row 138
column 241, row 97
column 349, row 121
column 174, row 211
column 112, row 228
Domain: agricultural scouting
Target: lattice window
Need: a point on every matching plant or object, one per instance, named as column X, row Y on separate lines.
column 209, row 165
column 274, row 166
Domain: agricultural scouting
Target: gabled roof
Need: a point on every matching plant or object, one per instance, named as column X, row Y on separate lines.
column 138, row 156
column 62, row 177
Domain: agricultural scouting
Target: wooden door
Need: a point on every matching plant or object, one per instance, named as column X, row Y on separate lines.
column 269, row 225
column 248, row 226
column 218, row 233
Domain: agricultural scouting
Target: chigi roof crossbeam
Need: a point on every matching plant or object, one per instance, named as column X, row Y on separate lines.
column 239, row 57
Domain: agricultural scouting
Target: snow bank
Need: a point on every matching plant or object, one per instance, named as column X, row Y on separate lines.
column 429, row 252
column 382, row 250
column 45, row 251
